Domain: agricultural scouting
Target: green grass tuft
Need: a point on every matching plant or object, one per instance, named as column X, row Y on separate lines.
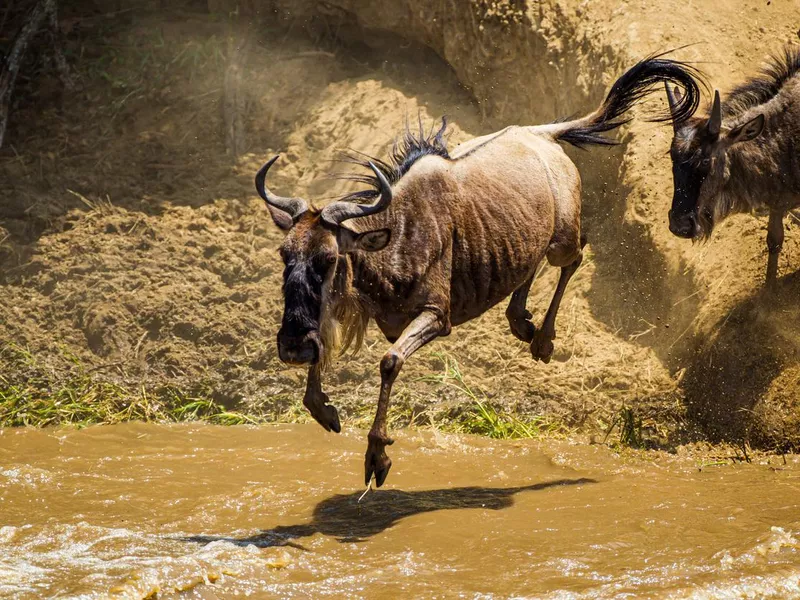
column 631, row 433
column 482, row 418
column 41, row 399
column 75, row 396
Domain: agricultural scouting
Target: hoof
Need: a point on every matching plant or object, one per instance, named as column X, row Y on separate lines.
column 378, row 466
column 377, row 463
column 329, row 419
column 542, row 348
column 382, row 472
column 333, row 418
column 524, row 331
column 522, row 328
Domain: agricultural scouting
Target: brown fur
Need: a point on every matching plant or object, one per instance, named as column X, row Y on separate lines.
column 466, row 232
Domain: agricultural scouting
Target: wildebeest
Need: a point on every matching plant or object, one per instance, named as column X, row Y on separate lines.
column 449, row 237
column 744, row 155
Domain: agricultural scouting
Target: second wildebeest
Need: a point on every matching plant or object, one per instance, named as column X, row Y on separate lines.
column 449, row 237
column 744, row 155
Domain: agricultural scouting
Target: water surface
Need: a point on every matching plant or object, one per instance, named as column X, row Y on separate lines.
column 199, row 511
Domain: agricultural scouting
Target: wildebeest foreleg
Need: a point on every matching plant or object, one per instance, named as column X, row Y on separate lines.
column 518, row 315
column 316, row 401
column 419, row 332
column 774, row 244
column 542, row 344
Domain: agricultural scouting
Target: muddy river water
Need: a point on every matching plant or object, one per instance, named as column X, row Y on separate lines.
column 198, row 511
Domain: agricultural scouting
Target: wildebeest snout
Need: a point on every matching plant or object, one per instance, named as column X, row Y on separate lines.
column 299, row 349
column 683, row 225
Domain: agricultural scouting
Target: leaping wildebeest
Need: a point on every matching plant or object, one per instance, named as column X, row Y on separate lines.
column 745, row 155
column 449, row 236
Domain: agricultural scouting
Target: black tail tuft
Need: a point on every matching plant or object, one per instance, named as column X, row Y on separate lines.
column 589, row 135
column 636, row 83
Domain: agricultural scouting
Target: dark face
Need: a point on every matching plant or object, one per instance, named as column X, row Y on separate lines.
column 699, row 170
column 309, row 256
column 691, row 165
column 314, row 240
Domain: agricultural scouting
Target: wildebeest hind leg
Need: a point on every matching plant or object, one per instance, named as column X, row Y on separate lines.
column 316, row 401
column 542, row 344
column 518, row 315
column 427, row 326
column 774, row 245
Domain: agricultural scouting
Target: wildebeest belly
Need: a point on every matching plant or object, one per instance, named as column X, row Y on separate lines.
column 492, row 262
column 504, row 222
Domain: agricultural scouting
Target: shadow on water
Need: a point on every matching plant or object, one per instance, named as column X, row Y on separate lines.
column 343, row 517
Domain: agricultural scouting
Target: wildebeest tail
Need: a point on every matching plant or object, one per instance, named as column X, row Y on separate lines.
column 636, row 83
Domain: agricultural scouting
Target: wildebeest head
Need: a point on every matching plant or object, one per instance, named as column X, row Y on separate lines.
column 311, row 252
column 700, row 167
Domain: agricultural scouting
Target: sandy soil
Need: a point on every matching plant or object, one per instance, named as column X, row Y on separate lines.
column 134, row 247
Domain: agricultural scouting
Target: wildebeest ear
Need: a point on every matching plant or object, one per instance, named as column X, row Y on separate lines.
column 749, row 131
column 372, row 241
column 281, row 219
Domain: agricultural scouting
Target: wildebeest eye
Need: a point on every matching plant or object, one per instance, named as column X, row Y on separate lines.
column 323, row 261
column 328, row 259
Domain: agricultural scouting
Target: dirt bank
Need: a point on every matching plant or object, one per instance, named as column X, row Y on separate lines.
column 135, row 252
column 696, row 306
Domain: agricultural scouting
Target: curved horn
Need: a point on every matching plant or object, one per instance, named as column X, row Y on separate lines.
column 674, row 98
column 337, row 212
column 294, row 207
column 715, row 120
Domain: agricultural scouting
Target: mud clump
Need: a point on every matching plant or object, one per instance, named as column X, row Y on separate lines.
column 742, row 382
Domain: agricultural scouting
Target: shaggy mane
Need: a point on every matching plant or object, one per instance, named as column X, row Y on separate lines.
column 765, row 86
column 406, row 151
column 343, row 327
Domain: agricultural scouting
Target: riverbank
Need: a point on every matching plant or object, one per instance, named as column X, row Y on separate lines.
column 139, row 271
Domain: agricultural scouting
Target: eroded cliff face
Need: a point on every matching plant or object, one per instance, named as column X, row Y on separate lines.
column 522, row 61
